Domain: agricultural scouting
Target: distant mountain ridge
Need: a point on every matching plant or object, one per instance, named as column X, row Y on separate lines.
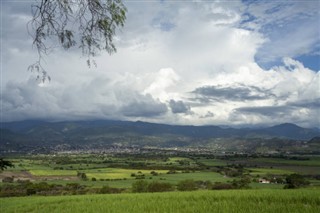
column 51, row 137
column 71, row 129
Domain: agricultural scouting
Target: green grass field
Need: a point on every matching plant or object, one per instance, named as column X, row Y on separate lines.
column 212, row 162
column 266, row 171
column 163, row 177
column 47, row 172
column 291, row 201
column 117, row 173
column 313, row 161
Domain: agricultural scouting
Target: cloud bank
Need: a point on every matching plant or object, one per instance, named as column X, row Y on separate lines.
column 181, row 63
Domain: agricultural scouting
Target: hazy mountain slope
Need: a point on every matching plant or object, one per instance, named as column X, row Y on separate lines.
column 92, row 134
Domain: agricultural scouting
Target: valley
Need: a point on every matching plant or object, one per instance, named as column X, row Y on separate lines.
column 84, row 161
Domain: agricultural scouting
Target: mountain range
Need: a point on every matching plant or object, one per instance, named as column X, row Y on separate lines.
column 18, row 135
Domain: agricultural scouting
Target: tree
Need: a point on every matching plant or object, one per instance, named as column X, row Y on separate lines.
column 82, row 175
column 4, row 164
column 89, row 24
column 295, row 181
column 242, row 183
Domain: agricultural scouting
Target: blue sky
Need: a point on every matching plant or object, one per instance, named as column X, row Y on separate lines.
column 288, row 25
column 238, row 63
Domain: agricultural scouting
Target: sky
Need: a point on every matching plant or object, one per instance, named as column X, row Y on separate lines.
column 235, row 63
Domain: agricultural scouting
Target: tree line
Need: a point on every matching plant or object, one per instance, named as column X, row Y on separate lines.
column 27, row 188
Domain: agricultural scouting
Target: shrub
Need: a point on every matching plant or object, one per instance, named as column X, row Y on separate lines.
column 204, row 184
column 220, row 186
column 108, row 190
column 31, row 191
column 8, row 179
column 187, row 185
column 73, row 186
column 140, row 176
column 140, row 186
column 154, row 173
column 243, row 183
column 159, row 187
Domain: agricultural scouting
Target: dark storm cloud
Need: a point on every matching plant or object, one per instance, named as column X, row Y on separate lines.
column 270, row 111
column 148, row 108
column 178, row 106
column 279, row 114
column 274, row 111
column 95, row 99
column 310, row 104
column 238, row 93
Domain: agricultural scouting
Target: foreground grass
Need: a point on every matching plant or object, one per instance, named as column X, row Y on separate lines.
column 303, row 200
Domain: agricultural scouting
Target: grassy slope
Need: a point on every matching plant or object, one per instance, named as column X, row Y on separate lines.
column 303, row 200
